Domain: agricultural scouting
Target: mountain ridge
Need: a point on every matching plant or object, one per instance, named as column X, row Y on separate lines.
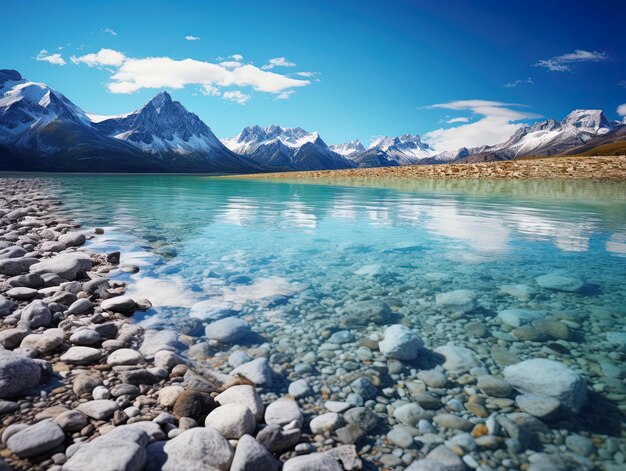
column 41, row 129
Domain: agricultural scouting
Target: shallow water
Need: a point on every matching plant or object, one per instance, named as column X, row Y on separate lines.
column 288, row 256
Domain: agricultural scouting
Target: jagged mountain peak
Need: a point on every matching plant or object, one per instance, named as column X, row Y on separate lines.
column 590, row 119
column 348, row 148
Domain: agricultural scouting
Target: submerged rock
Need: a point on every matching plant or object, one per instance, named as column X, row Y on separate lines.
column 559, row 282
column 361, row 313
column 461, row 300
column 548, row 378
column 401, row 343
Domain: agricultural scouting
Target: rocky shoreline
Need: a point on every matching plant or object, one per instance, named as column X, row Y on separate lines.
column 605, row 168
column 84, row 387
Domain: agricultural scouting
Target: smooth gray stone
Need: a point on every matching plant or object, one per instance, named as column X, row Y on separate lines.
column 250, row 455
column 16, row 266
column 66, row 265
column 36, row 439
column 198, row 449
column 122, row 449
column 17, row 373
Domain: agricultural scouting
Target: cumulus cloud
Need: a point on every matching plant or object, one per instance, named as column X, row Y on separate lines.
column 621, row 110
column 109, row 31
column 192, row 38
column 236, row 96
column 278, row 62
column 132, row 74
column 527, row 80
column 458, row 120
column 104, row 57
column 497, row 122
column 55, row 59
column 563, row 62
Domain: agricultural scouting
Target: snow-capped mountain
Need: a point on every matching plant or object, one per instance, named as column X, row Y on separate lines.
column 386, row 151
column 40, row 129
column 28, row 107
column 279, row 148
column 406, row 149
column 549, row 137
column 348, row 148
column 163, row 125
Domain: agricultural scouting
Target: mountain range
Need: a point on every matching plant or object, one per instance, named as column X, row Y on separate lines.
column 42, row 130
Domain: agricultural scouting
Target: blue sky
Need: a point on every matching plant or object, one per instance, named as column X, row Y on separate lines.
column 349, row 69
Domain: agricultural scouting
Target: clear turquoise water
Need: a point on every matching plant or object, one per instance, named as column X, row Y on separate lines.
column 288, row 255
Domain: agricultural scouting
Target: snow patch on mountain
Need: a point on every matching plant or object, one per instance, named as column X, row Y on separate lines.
column 348, row 148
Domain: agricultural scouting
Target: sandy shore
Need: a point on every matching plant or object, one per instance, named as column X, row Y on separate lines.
column 550, row 168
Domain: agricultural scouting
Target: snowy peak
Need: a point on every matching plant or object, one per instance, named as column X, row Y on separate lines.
column 588, row 120
column 28, row 106
column 286, row 148
column 162, row 125
column 406, row 149
column 252, row 137
column 348, row 148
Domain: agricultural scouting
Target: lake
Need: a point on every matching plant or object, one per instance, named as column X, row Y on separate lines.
column 524, row 270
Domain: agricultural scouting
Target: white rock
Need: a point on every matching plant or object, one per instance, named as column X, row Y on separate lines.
column 282, row 412
column 325, row 423
column 559, row 282
column 124, row 356
column 460, row 300
column 231, row 420
column 457, row 358
column 299, row 388
column 548, row 378
column 169, row 394
column 228, row 330
column 245, row 395
column 197, row 449
column 99, row 410
column 517, row 317
column 258, row 371
column 81, row 355
column 401, row 343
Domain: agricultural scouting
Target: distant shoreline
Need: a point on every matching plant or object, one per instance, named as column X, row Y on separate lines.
column 611, row 168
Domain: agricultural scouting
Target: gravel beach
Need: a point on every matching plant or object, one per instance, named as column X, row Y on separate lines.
column 85, row 387
column 548, row 168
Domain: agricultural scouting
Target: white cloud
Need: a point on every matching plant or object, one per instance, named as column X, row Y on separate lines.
column 55, row 59
column 236, row 96
column 278, row 62
column 621, row 110
column 192, row 38
column 110, row 31
column 527, row 80
column 562, row 63
column 284, row 95
column 497, row 123
column 622, row 83
column 132, row 74
column 457, row 120
column 306, row 74
column 210, row 90
column 104, row 57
